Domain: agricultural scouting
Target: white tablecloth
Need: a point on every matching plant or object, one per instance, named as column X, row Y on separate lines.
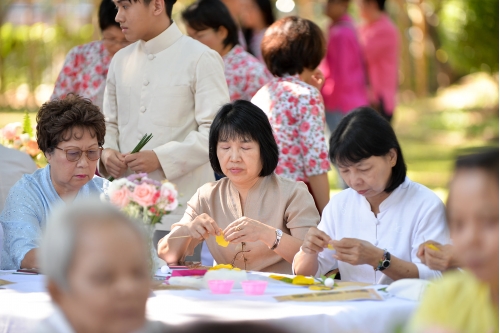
column 24, row 303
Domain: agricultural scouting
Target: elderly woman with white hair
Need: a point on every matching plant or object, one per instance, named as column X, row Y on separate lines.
column 95, row 261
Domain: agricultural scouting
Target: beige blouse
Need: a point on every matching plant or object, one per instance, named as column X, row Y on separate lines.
column 278, row 202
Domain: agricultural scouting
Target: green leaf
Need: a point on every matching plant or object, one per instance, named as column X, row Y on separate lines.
column 27, row 124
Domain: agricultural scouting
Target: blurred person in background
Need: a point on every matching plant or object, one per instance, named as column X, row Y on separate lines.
column 95, row 260
column 293, row 48
column 234, row 7
column 256, row 17
column 380, row 44
column 209, row 22
column 467, row 301
column 86, row 66
column 13, row 165
column 345, row 82
column 70, row 133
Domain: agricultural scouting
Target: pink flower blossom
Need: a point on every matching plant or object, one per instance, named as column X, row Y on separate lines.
column 121, row 197
column 144, row 194
column 11, row 131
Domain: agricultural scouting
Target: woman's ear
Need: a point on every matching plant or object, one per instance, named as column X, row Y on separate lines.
column 393, row 156
column 48, row 156
column 222, row 33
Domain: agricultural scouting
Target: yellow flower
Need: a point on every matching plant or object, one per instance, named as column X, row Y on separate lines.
column 432, row 247
column 221, row 240
column 303, row 281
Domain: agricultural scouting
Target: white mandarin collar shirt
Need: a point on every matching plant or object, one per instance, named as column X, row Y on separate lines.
column 411, row 215
column 171, row 86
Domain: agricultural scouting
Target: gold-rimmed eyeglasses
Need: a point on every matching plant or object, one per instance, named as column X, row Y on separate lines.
column 242, row 253
column 74, row 154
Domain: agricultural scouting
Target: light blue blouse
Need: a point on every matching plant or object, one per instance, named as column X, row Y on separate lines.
column 27, row 207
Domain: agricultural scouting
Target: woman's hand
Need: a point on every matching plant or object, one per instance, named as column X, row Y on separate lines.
column 315, row 241
column 357, row 252
column 202, row 227
column 245, row 229
column 436, row 256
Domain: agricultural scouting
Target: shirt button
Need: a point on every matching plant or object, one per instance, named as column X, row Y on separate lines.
column 145, row 82
column 151, row 56
column 376, row 243
column 143, row 109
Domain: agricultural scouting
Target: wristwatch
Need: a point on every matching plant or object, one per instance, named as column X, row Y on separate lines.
column 385, row 262
column 279, row 234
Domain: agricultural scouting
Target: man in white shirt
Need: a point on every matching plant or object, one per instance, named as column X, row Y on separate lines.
column 13, row 165
column 166, row 84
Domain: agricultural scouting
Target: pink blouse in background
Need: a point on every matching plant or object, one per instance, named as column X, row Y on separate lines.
column 380, row 44
column 345, row 82
column 296, row 114
column 245, row 75
column 84, row 73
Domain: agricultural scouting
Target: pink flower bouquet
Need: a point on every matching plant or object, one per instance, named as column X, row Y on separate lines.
column 143, row 198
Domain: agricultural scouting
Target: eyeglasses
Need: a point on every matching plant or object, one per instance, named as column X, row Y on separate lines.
column 74, row 154
column 242, row 255
column 112, row 41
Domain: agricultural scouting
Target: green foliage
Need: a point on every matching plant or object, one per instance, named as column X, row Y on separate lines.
column 468, row 31
column 27, row 124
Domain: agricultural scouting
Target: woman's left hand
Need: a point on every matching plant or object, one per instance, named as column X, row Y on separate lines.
column 245, row 229
column 357, row 252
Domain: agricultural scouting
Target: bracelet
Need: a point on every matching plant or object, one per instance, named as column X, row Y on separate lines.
column 279, row 234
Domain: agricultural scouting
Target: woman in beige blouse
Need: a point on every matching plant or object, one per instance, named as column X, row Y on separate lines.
column 263, row 216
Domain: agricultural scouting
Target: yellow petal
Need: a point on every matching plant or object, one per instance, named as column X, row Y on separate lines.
column 319, row 287
column 221, row 266
column 432, row 247
column 302, row 280
column 221, row 241
column 330, row 246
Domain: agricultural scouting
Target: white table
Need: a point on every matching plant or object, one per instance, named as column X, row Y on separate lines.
column 24, row 303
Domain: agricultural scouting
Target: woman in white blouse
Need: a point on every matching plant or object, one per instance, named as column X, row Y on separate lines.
column 371, row 231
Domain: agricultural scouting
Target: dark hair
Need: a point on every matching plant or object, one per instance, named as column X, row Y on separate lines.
column 292, row 44
column 57, row 119
column 380, row 4
column 486, row 159
column 364, row 133
column 266, row 9
column 242, row 119
column 107, row 14
column 206, row 14
column 169, row 4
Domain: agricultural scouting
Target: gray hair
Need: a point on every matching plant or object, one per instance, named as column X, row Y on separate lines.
column 63, row 227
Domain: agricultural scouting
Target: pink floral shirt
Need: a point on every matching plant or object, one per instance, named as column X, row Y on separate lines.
column 245, row 75
column 84, row 72
column 297, row 115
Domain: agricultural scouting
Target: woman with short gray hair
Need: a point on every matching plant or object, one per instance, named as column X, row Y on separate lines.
column 95, row 261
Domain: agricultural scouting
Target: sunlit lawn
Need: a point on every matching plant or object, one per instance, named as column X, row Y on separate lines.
column 431, row 131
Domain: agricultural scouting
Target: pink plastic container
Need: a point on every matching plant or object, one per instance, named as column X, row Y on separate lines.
column 220, row 286
column 254, row 287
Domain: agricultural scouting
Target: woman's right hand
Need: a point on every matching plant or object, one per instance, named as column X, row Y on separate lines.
column 202, row 227
column 315, row 241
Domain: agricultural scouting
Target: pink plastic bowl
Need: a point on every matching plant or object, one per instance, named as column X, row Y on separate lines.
column 220, row 286
column 254, row 287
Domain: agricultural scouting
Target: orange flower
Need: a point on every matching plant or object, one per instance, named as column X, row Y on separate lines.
column 32, row 148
